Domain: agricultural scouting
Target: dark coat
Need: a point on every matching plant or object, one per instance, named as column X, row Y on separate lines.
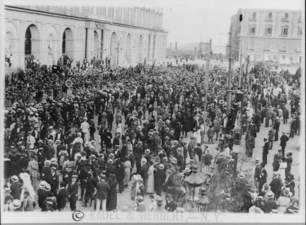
column 16, row 190
column 159, row 177
column 266, row 148
column 102, row 190
column 111, row 202
column 49, row 151
column 276, row 186
column 283, row 140
column 62, row 198
column 144, row 172
column 168, row 183
column 42, row 195
column 46, row 174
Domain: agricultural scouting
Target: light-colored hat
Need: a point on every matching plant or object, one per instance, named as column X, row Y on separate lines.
column 161, row 166
column 16, row 204
column 14, row 178
column 139, row 198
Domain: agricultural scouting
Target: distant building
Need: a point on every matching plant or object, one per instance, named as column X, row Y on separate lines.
column 123, row 35
column 267, row 35
column 200, row 48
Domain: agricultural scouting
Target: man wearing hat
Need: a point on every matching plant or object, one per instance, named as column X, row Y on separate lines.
column 140, row 206
column 27, row 203
column 101, row 191
column 144, row 172
column 170, row 204
column 168, row 181
column 276, row 160
column 265, row 151
column 257, row 173
column 54, row 180
column 276, row 128
column 73, row 192
column 159, row 205
column 15, row 187
column 46, row 172
column 276, row 185
column 159, row 178
column 42, row 194
column 283, row 142
column 61, row 197
column 49, row 150
column 262, row 177
column 270, row 204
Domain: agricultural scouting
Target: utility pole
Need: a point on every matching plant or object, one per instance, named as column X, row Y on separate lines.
column 206, row 78
column 118, row 49
column 241, row 71
column 229, row 79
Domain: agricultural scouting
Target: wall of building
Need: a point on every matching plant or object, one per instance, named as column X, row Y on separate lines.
column 47, row 26
column 261, row 45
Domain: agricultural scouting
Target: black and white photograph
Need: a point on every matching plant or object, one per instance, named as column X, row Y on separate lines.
column 153, row 108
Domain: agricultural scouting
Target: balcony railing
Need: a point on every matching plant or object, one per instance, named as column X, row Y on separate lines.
column 285, row 19
column 268, row 19
column 252, row 19
column 251, row 34
column 267, row 34
column 281, row 50
column 283, row 35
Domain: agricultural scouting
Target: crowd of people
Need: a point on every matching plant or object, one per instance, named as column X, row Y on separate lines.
column 104, row 130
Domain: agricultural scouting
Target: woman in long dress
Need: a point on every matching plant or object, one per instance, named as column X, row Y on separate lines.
column 33, row 170
column 150, row 187
column 127, row 171
column 27, row 186
column 62, row 154
column 282, row 168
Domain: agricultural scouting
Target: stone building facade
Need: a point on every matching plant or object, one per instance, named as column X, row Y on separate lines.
column 267, row 35
column 123, row 35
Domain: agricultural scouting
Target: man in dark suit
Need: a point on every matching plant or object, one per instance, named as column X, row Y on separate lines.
column 36, row 135
column 101, row 190
column 283, row 142
column 276, row 185
column 159, row 179
column 276, row 128
column 265, row 151
column 46, row 172
column 276, row 160
column 116, row 140
column 43, row 131
column 73, row 192
column 15, row 187
column 168, row 181
column 54, row 181
column 89, row 190
column 144, row 172
column 62, row 197
column 27, row 203
column 171, row 205
column 49, row 150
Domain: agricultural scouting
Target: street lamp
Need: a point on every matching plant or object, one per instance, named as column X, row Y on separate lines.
column 101, row 53
column 118, row 50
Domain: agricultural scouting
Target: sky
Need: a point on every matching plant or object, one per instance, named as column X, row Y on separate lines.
column 189, row 21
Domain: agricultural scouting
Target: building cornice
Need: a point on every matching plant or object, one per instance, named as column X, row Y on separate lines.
column 84, row 18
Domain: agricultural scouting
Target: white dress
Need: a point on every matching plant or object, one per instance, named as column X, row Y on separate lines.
column 281, row 170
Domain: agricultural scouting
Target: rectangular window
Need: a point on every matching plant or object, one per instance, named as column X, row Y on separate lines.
column 286, row 15
column 270, row 15
column 269, row 30
column 285, row 31
column 253, row 29
column 254, row 15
